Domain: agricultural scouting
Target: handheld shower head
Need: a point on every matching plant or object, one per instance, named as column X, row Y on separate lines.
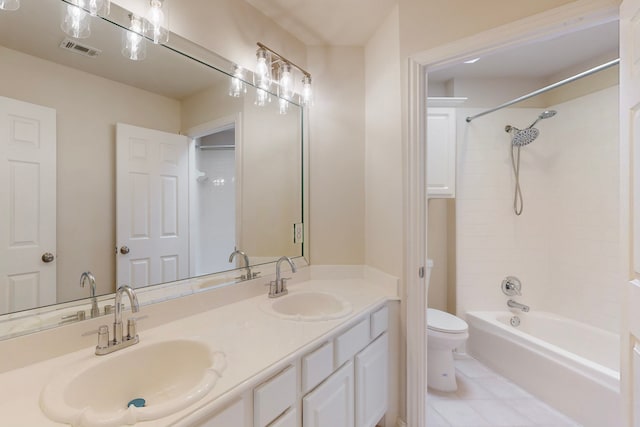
column 546, row 114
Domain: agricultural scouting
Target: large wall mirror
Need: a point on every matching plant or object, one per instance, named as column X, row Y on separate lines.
column 141, row 172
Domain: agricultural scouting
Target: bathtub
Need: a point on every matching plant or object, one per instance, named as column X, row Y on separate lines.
column 572, row 366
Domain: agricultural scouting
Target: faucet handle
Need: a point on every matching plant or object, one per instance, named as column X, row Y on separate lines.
column 511, row 286
column 103, row 337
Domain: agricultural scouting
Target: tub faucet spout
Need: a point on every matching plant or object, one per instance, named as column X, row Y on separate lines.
column 513, row 304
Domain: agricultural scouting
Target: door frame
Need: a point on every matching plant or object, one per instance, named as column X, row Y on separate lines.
column 561, row 20
column 233, row 121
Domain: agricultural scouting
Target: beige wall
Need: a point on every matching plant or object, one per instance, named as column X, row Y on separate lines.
column 88, row 108
column 383, row 149
column 337, row 156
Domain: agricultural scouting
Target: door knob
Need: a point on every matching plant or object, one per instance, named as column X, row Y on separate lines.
column 47, row 257
column 124, row 250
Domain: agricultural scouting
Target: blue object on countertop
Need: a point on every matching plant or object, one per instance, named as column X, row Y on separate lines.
column 138, row 403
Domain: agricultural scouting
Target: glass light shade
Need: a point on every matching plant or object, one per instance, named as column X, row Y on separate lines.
column 262, row 97
column 306, row 98
column 157, row 21
column 9, row 4
column 263, row 69
column 97, row 7
column 134, row 44
column 76, row 21
column 283, row 106
column 237, row 87
column 286, row 81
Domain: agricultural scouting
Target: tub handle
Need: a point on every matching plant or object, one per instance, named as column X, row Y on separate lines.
column 511, row 286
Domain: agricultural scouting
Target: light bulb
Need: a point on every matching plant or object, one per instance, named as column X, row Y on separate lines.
column 263, row 69
column 307, row 91
column 237, row 88
column 286, row 81
column 75, row 22
column 133, row 43
column 157, row 28
column 9, row 4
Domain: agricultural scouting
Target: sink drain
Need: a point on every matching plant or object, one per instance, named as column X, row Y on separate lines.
column 138, row 403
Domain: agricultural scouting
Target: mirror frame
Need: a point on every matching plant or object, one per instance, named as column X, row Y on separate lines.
column 26, row 321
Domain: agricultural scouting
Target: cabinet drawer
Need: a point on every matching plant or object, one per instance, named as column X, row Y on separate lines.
column 379, row 322
column 274, row 396
column 351, row 342
column 317, row 366
column 288, row 419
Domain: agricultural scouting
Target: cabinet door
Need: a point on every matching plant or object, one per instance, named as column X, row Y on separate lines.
column 372, row 383
column 331, row 404
column 441, row 152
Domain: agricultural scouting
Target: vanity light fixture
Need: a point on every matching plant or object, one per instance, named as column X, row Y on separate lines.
column 268, row 62
column 237, row 88
column 157, row 21
column 9, row 4
column 134, row 46
column 76, row 20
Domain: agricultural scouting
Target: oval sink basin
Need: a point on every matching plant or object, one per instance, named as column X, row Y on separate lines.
column 168, row 375
column 308, row 306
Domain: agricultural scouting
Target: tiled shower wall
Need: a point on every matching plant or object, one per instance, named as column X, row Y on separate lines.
column 564, row 247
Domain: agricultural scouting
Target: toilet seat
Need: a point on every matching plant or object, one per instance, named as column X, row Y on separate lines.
column 441, row 321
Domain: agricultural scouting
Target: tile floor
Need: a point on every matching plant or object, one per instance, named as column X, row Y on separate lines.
column 486, row 399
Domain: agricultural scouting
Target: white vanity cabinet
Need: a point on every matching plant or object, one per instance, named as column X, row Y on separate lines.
column 342, row 382
column 356, row 394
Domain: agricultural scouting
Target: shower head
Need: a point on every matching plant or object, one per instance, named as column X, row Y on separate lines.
column 522, row 137
column 546, row 114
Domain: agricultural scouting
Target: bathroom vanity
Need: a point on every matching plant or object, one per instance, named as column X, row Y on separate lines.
column 267, row 369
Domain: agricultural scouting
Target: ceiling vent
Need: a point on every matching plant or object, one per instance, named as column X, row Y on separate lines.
column 80, row 49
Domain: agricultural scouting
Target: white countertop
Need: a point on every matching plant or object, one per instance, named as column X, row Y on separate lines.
column 253, row 341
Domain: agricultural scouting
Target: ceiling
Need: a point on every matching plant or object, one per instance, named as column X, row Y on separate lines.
column 547, row 59
column 327, row 22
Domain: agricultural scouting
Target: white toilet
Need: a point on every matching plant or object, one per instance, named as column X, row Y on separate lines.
column 445, row 332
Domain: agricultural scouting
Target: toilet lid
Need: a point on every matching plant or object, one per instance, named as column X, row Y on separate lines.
column 444, row 322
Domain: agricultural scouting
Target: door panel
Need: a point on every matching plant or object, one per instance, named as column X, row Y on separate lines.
column 27, row 205
column 152, row 206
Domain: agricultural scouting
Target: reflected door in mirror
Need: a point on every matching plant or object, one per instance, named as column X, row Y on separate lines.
column 152, row 206
column 27, row 205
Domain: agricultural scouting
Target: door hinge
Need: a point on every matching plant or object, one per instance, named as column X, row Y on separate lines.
column 421, row 272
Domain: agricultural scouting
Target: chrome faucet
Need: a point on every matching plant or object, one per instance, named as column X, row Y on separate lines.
column 244, row 256
column 511, row 303
column 106, row 346
column 278, row 287
column 95, row 311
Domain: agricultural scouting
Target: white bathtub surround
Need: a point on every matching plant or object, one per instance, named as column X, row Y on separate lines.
column 256, row 344
column 570, row 365
column 486, row 399
column 564, row 247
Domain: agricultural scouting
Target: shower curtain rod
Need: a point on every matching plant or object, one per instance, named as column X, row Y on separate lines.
column 548, row 88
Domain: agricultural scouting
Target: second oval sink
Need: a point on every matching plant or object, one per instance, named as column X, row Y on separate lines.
column 308, row 306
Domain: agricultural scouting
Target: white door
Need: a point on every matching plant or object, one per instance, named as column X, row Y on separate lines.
column 372, row 382
column 331, row 404
column 152, row 206
column 630, row 146
column 27, row 205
